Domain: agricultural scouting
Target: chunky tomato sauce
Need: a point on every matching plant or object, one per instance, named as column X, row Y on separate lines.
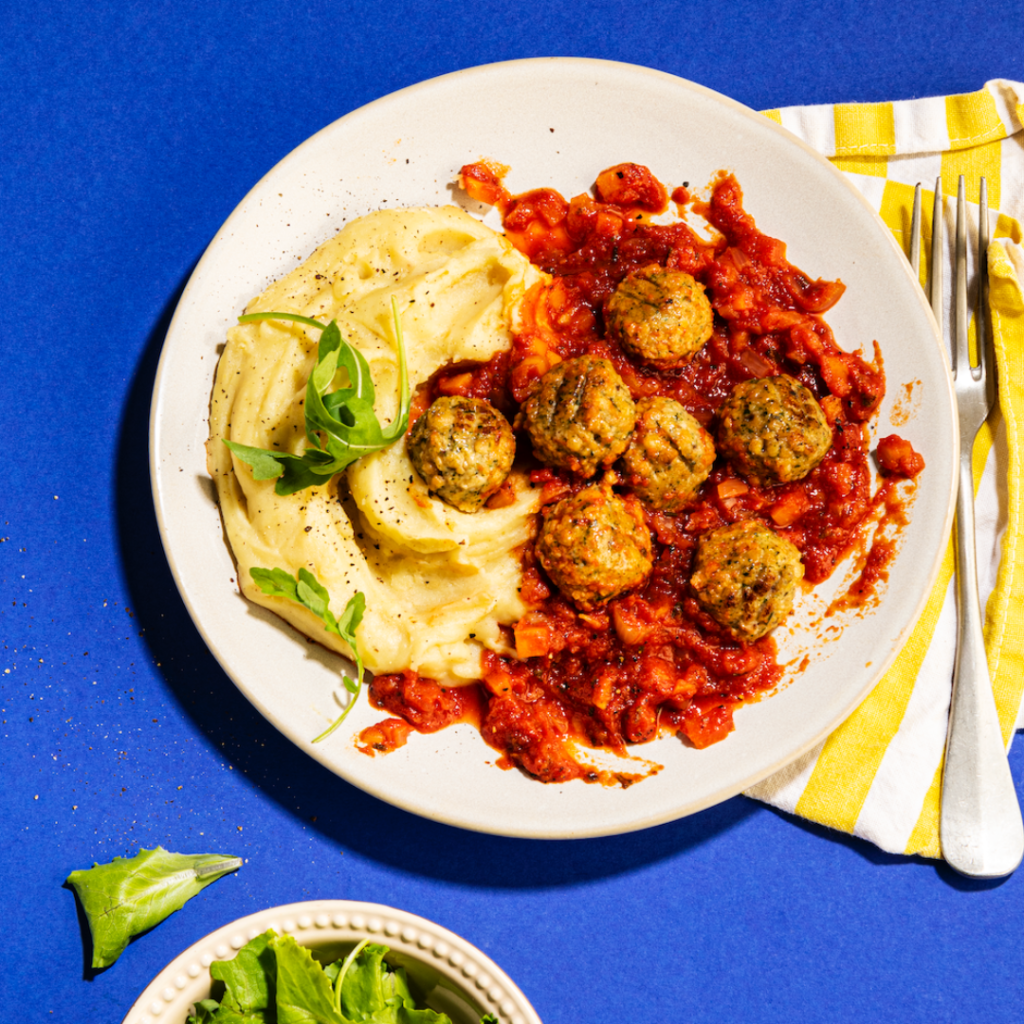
column 654, row 661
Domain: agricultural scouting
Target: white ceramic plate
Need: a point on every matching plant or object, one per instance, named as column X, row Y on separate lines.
column 557, row 122
column 468, row 984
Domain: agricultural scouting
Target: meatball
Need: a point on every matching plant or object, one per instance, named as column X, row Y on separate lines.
column 595, row 546
column 660, row 316
column 580, row 415
column 773, row 430
column 745, row 577
column 669, row 455
column 463, row 448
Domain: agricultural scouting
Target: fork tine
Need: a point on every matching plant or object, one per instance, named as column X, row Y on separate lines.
column 961, row 353
column 915, row 233
column 935, row 271
column 986, row 354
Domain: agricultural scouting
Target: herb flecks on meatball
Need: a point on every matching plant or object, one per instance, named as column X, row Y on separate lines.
column 463, row 449
column 745, row 578
column 595, row 546
column 669, row 455
column 580, row 415
column 660, row 316
column 773, row 430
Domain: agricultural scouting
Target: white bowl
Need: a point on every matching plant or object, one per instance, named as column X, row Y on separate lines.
column 468, row 983
column 557, row 122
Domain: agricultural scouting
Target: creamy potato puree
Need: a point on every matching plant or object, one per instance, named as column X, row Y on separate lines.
column 438, row 582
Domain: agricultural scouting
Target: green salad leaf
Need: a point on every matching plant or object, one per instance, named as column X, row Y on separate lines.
column 127, row 897
column 341, row 425
column 274, row 980
column 306, row 590
column 248, row 977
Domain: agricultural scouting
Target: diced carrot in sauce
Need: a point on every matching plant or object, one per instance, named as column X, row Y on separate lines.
column 732, row 488
column 482, row 181
column 533, row 637
column 384, row 737
column 631, row 186
column 897, row 457
column 789, row 508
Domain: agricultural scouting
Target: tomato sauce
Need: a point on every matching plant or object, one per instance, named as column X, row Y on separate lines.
column 653, row 661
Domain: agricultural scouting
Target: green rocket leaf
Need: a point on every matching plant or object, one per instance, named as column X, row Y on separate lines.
column 341, row 425
column 126, row 897
column 308, row 591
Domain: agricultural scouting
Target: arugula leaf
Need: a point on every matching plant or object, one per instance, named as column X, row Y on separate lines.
column 209, row 1011
column 370, row 991
column 341, row 425
column 409, row 1015
column 126, row 897
column 309, row 592
column 204, row 1012
column 249, row 977
column 264, row 464
column 360, row 986
column 304, row 993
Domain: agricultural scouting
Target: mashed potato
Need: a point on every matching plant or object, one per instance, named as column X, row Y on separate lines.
column 438, row 582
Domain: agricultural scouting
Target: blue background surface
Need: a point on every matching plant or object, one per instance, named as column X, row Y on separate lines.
column 129, row 133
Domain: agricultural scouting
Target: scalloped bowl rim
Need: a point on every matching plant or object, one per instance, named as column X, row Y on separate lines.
column 168, row 998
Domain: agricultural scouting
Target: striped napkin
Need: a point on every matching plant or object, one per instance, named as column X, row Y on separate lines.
column 878, row 775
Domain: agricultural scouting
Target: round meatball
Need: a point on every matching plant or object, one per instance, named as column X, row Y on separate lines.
column 745, row 577
column 580, row 415
column 595, row 546
column 773, row 430
column 669, row 455
column 463, row 448
column 660, row 316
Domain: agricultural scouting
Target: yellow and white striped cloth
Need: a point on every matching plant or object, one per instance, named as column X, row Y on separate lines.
column 878, row 776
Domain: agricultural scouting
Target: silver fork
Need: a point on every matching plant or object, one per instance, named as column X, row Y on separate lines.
column 980, row 825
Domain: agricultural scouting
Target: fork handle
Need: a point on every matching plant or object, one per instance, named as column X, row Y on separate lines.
column 980, row 824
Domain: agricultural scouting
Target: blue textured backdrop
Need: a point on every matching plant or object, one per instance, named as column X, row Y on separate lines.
column 129, row 133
